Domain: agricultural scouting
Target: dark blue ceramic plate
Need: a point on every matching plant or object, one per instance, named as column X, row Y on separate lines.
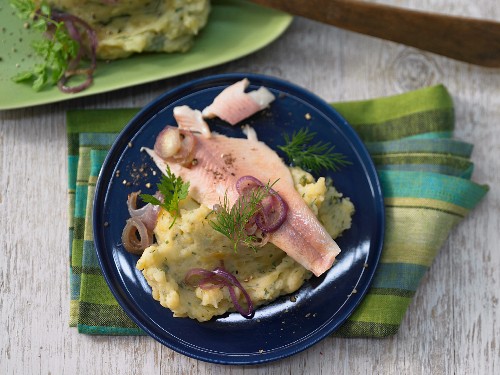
column 282, row 328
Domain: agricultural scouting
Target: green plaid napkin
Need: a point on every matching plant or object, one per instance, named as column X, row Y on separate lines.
column 425, row 177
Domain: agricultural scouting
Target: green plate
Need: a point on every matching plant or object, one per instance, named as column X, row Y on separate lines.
column 236, row 28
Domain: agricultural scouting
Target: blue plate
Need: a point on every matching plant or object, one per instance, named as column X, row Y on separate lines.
column 282, row 328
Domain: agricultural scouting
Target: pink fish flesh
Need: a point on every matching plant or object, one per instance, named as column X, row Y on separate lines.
column 192, row 120
column 220, row 161
column 233, row 104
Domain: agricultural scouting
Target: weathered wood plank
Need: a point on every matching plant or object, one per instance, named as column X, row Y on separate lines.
column 452, row 326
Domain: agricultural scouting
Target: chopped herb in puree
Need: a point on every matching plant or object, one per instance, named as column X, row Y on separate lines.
column 265, row 273
column 125, row 27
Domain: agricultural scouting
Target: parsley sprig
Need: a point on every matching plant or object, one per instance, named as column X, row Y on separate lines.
column 314, row 157
column 173, row 189
column 55, row 51
column 231, row 221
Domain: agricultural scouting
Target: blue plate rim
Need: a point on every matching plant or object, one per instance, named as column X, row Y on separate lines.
column 151, row 109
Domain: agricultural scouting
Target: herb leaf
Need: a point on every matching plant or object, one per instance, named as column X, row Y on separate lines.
column 312, row 156
column 55, row 52
column 173, row 189
column 24, row 8
column 231, row 221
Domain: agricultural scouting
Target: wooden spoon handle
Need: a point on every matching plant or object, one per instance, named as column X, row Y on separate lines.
column 472, row 40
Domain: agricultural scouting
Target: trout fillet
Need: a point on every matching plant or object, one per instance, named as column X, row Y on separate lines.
column 219, row 162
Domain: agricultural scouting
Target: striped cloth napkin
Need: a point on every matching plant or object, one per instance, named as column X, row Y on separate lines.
column 425, row 176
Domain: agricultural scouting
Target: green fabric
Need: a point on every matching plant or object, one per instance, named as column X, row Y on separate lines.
column 425, row 176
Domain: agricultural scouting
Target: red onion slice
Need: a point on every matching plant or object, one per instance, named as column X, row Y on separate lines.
column 231, row 280
column 74, row 25
column 168, row 142
column 273, row 209
column 251, row 226
column 177, row 150
column 148, row 214
column 252, row 229
column 186, row 154
column 136, row 237
column 260, row 237
column 246, row 184
column 273, row 213
column 220, row 277
column 196, row 273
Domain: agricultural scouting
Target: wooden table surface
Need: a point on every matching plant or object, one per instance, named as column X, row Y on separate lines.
column 452, row 325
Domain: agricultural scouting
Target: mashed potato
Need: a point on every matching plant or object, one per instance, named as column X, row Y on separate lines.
column 265, row 273
column 125, row 27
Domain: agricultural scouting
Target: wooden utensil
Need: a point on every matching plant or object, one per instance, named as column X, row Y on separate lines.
column 471, row 40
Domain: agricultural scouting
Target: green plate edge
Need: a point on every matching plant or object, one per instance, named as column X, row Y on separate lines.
column 236, row 28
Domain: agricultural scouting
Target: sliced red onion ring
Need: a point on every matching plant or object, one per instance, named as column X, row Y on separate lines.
column 260, row 237
column 148, row 214
column 197, row 273
column 74, row 25
column 251, row 227
column 246, row 184
column 273, row 212
column 62, row 84
column 186, row 154
column 168, row 142
column 220, row 277
column 273, row 209
column 167, row 148
column 136, row 237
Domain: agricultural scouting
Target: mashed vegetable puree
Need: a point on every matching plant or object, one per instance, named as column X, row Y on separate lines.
column 125, row 27
column 265, row 274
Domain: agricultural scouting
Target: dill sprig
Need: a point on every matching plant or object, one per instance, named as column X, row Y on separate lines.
column 55, row 52
column 314, row 157
column 173, row 189
column 231, row 221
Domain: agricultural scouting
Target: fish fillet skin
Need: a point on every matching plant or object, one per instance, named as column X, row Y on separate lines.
column 221, row 161
column 192, row 120
column 233, row 104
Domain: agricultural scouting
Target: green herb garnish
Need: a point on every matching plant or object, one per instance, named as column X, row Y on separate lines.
column 55, row 52
column 173, row 190
column 231, row 221
column 312, row 156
